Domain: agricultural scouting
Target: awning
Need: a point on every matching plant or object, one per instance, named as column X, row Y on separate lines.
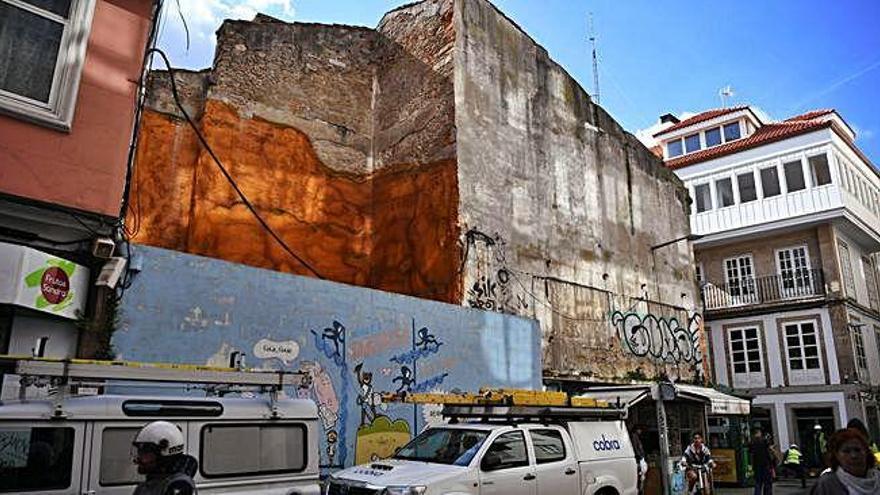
column 719, row 402
column 626, row 395
column 629, row 395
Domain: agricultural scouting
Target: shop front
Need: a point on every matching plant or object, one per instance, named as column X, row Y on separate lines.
column 41, row 296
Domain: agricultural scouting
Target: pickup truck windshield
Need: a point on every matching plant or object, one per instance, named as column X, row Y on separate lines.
column 453, row 446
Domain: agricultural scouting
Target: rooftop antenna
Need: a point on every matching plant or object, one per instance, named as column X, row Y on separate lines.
column 725, row 93
column 595, row 61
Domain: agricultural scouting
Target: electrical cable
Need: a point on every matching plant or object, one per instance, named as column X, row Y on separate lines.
column 223, row 169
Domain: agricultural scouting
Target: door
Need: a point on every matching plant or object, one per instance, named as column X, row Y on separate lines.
column 505, row 468
column 112, row 470
column 793, row 267
column 555, row 464
column 41, row 457
column 740, row 276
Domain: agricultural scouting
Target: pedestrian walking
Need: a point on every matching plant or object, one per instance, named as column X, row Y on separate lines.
column 852, row 466
column 762, row 463
column 160, row 457
column 639, row 451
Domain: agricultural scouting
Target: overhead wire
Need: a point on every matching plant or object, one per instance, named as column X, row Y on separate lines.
column 242, row 196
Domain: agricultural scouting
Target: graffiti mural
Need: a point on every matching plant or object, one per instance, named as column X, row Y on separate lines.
column 661, row 338
column 353, row 343
column 494, row 289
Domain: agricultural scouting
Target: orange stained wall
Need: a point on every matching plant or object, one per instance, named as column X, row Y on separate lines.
column 394, row 230
column 85, row 168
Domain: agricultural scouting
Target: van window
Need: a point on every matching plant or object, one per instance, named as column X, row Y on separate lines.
column 35, row 459
column 117, row 467
column 271, row 448
column 549, row 446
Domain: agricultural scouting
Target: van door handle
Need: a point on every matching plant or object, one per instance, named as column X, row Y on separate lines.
column 529, row 477
column 570, row 471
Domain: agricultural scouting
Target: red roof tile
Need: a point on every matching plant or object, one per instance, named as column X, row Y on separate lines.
column 765, row 134
column 701, row 117
column 813, row 114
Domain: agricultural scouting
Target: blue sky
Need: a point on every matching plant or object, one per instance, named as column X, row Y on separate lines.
column 786, row 57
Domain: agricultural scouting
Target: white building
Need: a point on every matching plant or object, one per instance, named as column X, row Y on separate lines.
column 790, row 217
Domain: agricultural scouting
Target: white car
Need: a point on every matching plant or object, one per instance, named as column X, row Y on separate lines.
column 504, row 458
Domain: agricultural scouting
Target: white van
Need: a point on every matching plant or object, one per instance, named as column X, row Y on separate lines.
column 82, row 445
column 541, row 456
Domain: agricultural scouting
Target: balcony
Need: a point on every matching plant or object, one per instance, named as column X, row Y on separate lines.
column 748, row 292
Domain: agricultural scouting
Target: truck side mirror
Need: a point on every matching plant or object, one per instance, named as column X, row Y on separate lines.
column 491, row 461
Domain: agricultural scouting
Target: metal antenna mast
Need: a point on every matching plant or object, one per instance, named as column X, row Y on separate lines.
column 595, row 60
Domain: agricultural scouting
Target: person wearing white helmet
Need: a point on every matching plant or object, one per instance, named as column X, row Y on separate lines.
column 160, row 457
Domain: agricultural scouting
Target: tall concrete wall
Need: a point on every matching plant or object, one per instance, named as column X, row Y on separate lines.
column 570, row 202
column 355, row 342
column 443, row 155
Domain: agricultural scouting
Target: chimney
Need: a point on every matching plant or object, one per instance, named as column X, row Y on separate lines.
column 668, row 118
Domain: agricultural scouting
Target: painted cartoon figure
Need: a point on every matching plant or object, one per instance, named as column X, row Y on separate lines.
column 366, row 399
column 426, row 339
column 325, row 394
column 336, row 335
column 406, row 379
column 332, row 439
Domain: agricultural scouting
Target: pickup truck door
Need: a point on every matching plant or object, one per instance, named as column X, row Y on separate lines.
column 555, row 463
column 505, row 468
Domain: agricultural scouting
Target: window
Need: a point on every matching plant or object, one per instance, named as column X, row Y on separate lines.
column 802, row 344
column 793, row 266
column 116, row 465
column 846, row 269
column 44, row 41
column 740, row 278
column 871, row 283
column 820, row 170
column 859, row 348
column 703, row 197
column 452, row 446
column 673, row 148
column 794, row 176
column 698, row 271
column 745, row 350
column 713, row 137
column 548, row 445
column 35, row 459
column 724, row 192
column 747, row 190
column 271, row 448
column 770, row 182
column 731, row 132
column 692, row 143
column 510, row 448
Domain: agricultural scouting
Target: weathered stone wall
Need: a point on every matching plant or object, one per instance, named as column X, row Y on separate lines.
column 570, row 202
column 297, row 113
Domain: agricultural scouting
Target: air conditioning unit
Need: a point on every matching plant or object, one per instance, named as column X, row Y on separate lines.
column 103, row 248
column 111, row 272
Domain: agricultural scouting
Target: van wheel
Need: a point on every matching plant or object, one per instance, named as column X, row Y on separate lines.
column 607, row 491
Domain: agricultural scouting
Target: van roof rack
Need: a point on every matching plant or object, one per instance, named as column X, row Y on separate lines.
column 66, row 373
column 507, row 404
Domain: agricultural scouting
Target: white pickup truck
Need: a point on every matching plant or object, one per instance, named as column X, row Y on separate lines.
column 567, row 457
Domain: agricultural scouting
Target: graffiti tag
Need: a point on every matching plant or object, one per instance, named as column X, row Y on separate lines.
column 661, row 338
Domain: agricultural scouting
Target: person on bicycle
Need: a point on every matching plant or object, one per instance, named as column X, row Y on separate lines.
column 697, row 461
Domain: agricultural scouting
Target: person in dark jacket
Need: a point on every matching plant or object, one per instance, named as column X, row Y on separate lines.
column 639, row 451
column 852, row 465
column 160, row 457
column 762, row 463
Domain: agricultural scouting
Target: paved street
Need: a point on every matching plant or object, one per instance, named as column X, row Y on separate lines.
column 785, row 487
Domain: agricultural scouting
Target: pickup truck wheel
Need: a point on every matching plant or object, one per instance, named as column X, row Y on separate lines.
column 607, row 491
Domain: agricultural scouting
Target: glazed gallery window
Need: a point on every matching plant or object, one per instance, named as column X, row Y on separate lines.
column 673, row 148
column 731, row 132
column 802, row 345
column 42, row 46
column 794, row 176
column 770, row 182
column 713, row 137
column 724, row 192
column 703, row 197
column 747, row 190
column 820, row 170
column 692, row 143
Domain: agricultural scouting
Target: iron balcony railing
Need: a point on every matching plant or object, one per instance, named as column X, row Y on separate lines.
column 797, row 284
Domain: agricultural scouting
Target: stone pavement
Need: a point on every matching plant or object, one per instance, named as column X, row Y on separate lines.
column 783, row 487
